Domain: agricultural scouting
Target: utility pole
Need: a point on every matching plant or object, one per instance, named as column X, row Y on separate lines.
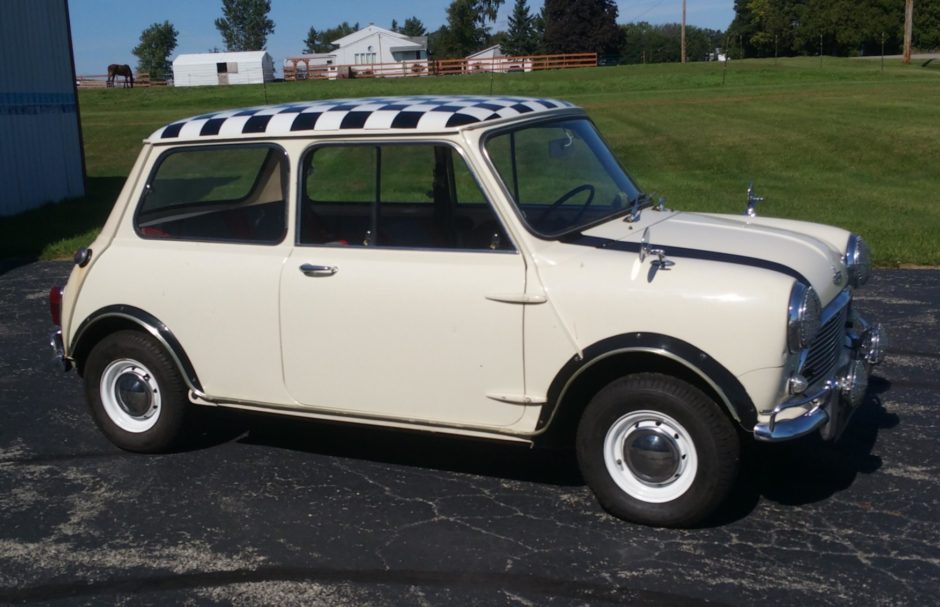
column 682, row 45
column 908, row 27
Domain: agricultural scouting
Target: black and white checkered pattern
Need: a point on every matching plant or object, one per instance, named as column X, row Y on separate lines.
column 419, row 113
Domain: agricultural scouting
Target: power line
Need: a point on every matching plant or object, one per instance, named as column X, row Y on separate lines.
column 655, row 5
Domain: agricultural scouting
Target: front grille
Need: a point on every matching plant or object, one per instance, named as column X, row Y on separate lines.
column 824, row 351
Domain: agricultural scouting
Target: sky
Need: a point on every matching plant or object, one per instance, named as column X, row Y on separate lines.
column 105, row 31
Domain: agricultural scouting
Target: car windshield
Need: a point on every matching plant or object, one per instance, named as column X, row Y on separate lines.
column 561, row 176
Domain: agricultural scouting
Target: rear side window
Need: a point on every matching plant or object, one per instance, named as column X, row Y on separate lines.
column 231, row 193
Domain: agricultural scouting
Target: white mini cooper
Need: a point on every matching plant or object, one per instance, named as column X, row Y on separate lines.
column 481, row 266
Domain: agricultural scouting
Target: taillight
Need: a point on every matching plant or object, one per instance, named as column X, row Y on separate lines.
column 55, row 305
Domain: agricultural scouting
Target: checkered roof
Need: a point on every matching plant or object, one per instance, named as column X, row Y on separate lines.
column 420, row 113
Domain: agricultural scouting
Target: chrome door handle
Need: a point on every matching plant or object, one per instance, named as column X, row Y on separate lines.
column 310, row 269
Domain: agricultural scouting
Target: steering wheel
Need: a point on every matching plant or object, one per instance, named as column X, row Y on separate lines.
column 584, row 187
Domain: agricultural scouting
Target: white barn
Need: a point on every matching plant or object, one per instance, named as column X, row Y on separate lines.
column 210, row 69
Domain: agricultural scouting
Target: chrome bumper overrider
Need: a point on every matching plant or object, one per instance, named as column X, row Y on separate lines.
column 835, row 399
column 58, row 347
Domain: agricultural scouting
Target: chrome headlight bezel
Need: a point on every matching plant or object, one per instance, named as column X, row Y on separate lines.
column 857, row 261
column 804, row 315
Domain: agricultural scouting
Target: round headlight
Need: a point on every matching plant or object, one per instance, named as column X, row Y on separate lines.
column 857, row 261
column 803, row 317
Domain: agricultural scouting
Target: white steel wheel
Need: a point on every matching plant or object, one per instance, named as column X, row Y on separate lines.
column 135, row 392
column 656, row 450
column 130, row 395
column 650, row 456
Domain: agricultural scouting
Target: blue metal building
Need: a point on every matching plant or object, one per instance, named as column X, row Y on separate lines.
column 41, row 157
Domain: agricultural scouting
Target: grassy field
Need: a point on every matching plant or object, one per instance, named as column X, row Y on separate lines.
column 838, row 142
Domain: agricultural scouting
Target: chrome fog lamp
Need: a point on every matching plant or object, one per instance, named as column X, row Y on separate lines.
column 872, row 346
column 797, row 384
column 857, row 261
column 803, row 317
column 855, row 383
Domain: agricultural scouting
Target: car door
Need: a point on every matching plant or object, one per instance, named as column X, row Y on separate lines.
column 394, row 303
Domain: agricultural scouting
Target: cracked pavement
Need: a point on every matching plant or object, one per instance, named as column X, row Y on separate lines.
column 275, row 510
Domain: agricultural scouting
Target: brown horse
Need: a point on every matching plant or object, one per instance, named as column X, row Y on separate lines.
column 120, row 70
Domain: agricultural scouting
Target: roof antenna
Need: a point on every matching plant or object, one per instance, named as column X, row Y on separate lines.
column 492, row 77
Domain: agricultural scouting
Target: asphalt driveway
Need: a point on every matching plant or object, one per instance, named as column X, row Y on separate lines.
column 278, row 511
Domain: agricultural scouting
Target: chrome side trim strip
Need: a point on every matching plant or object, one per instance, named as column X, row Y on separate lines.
column 327, row 413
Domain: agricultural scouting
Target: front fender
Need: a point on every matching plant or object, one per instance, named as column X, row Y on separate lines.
column 653, row 352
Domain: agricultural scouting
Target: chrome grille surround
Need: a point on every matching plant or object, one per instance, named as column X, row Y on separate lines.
column 817, row 361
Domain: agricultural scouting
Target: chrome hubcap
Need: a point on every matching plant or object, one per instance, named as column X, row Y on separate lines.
column 133, row 394
column 652, row 455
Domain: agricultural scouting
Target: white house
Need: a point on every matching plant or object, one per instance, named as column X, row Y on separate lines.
column 371, row 51
column 373, row 44
column 204, row 69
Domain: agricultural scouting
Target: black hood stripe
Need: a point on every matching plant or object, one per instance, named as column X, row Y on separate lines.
column 671, row 251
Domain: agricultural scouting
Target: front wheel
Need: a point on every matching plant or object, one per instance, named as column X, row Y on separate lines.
column 656, row 450
column 135, row 393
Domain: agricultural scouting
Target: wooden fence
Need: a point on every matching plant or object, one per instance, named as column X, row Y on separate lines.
column 141, row 79
column 302, row 69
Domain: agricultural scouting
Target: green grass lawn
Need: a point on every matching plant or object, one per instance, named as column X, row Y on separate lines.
column 838, row 142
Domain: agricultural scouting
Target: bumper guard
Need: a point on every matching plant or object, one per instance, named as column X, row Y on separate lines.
column 837, row 398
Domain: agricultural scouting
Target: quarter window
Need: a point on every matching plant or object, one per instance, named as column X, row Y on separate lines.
column 414, row 196
column 225, row 193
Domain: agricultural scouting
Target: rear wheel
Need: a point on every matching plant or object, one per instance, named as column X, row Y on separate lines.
column 656, row 450
column 135, row 393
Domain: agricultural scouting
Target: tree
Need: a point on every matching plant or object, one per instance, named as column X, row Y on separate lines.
column 413, row 27
column 845, row 27
column 927, row 25
column 157, row 43
column 646, row 43
column 522, row 38
column 244, row 24
column 322, row 41
column 579, row 26
column 465, row 31
column 394, row 27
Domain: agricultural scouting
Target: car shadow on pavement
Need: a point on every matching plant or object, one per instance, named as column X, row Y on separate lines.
column 795, row 473
column 808, row 470
column 406, row 448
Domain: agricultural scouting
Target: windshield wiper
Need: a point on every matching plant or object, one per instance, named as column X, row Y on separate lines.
column 640, row 202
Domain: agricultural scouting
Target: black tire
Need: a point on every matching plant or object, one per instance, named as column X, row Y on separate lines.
column 657, row 451
column 135, row 393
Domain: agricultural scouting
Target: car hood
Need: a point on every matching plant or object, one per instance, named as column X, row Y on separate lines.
column 806, row 251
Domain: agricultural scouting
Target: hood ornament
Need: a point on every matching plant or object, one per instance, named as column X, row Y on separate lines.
column 752, row 200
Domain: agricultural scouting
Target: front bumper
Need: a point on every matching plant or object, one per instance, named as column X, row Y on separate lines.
column 830, row 404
